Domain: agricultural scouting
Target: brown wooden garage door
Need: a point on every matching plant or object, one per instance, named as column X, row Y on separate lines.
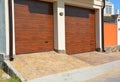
column 33, row 26
column 80, row 30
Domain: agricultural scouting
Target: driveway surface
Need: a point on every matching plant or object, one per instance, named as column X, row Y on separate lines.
column 111, row 76
column 98, row 58
column 39, row 65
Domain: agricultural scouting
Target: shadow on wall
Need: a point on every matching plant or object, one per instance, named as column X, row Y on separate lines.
column 36, row 6
column 76, row 10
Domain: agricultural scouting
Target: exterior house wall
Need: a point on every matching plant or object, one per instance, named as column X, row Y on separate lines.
column 2, row 28
column 95, row 4
column 110, row 34
column 59, row 21
column 98, row 29
column 107, row 5
column 59, row 26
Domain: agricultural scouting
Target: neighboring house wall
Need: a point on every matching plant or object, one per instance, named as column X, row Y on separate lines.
column 118, row 30
column 109, row 8
column 2, row 28
column 110, row 34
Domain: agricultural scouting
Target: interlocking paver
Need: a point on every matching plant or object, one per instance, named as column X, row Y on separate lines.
column 37, row 65
column 97, row 58
column 46, row 63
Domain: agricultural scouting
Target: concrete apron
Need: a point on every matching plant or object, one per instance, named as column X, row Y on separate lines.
column 12, row 71
column 77, row 75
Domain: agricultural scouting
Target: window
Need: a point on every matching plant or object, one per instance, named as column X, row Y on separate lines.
column 106, row 0
column 108, row 9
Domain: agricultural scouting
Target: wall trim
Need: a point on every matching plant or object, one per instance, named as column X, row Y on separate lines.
column 82, row 4
column 7, row 26
column 13, row 15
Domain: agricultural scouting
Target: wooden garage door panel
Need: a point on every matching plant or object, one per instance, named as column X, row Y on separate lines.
column 33, row 26
column 80, row 30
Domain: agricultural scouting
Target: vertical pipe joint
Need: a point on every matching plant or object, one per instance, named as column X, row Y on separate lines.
column 10, row 31
column 103, row 50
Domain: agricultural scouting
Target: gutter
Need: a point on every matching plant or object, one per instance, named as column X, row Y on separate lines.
column 10, row 31
column 102, row 13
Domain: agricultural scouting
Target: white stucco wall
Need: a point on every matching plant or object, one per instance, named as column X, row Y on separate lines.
column 2, row 28
column 59, row 22
column 59, row 26
column 118, row 31
column 98, row 29
column 108, row 3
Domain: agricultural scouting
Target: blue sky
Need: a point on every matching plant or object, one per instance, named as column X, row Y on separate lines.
column 116, row 3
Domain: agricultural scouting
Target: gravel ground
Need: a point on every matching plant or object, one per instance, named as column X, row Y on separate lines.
column 3, row 76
